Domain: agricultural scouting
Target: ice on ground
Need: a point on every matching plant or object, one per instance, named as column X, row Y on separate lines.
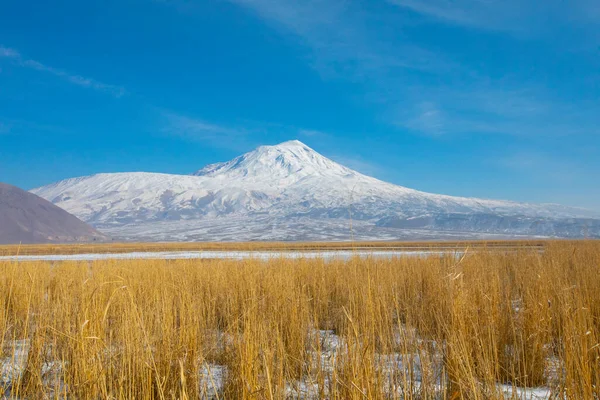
column 510, row 392
column 212, row 380
column 231, row 255
column 13, row 367
column 404, row 374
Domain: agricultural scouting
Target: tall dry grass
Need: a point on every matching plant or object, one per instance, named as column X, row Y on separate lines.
column 448, row 327
column 110, row 247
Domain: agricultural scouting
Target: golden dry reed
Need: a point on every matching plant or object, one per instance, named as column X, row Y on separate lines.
column 125, row 247
column 480, row 326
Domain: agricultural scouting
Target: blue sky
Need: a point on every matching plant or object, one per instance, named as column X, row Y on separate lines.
column 487, row 98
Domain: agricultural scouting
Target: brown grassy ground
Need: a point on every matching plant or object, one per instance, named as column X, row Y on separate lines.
column 421, row 328
column 36, row 249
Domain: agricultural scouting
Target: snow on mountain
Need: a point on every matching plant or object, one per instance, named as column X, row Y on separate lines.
column 273, row 187
column 287, row 163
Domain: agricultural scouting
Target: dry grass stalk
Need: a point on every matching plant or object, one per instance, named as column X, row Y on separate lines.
column 419, row 328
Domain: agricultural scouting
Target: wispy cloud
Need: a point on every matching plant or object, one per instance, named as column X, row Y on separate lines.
column 525, row 17
column 542, row 165
column 10, row 53
column 239, row 136
column 566, row 178
column 20, row 126
column 487, row 110
column 426, row 118
column 484, row 14
column 359, row 164
column 350, row 43
column 195, row 129
column 341, row 38
column 370, row 48
column 78, row 80
column 312, row 133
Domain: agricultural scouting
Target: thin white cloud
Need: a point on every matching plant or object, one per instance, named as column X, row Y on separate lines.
column 359, row 164
column 195, row 129
column 313, row 133
column 74, row 79
column 200, row 128
column 346, row 44
column 9, row 53
column 427, row 119
column 19, row 126
column 565, row 178
column 523, row 17
column 542, row 165
column 482, row 109
column 237, row 136
column 341, row 38
column 485, row 14
column 365, row 44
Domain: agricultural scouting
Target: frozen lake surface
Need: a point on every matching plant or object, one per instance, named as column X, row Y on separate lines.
column 231, row 255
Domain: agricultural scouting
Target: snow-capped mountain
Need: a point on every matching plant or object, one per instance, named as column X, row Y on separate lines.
column 291, row 192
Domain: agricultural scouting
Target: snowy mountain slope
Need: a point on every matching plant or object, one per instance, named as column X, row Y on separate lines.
column 292, row 181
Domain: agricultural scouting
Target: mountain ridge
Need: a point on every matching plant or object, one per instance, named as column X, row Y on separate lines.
column 292, row 180
column 27, row 218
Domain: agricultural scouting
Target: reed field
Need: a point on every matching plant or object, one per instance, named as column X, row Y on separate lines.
column 486, row 324
column 112, row 248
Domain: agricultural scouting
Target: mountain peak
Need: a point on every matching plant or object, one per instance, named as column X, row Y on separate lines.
column 290, row 160
column 290, row 144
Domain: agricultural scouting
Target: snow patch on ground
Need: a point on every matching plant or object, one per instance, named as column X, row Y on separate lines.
column 212, row 380
column 231, row 255
column 404, row 374
column 12, row 368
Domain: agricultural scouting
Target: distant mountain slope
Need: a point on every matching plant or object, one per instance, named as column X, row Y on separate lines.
column 274, row 187
column 27, row 218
